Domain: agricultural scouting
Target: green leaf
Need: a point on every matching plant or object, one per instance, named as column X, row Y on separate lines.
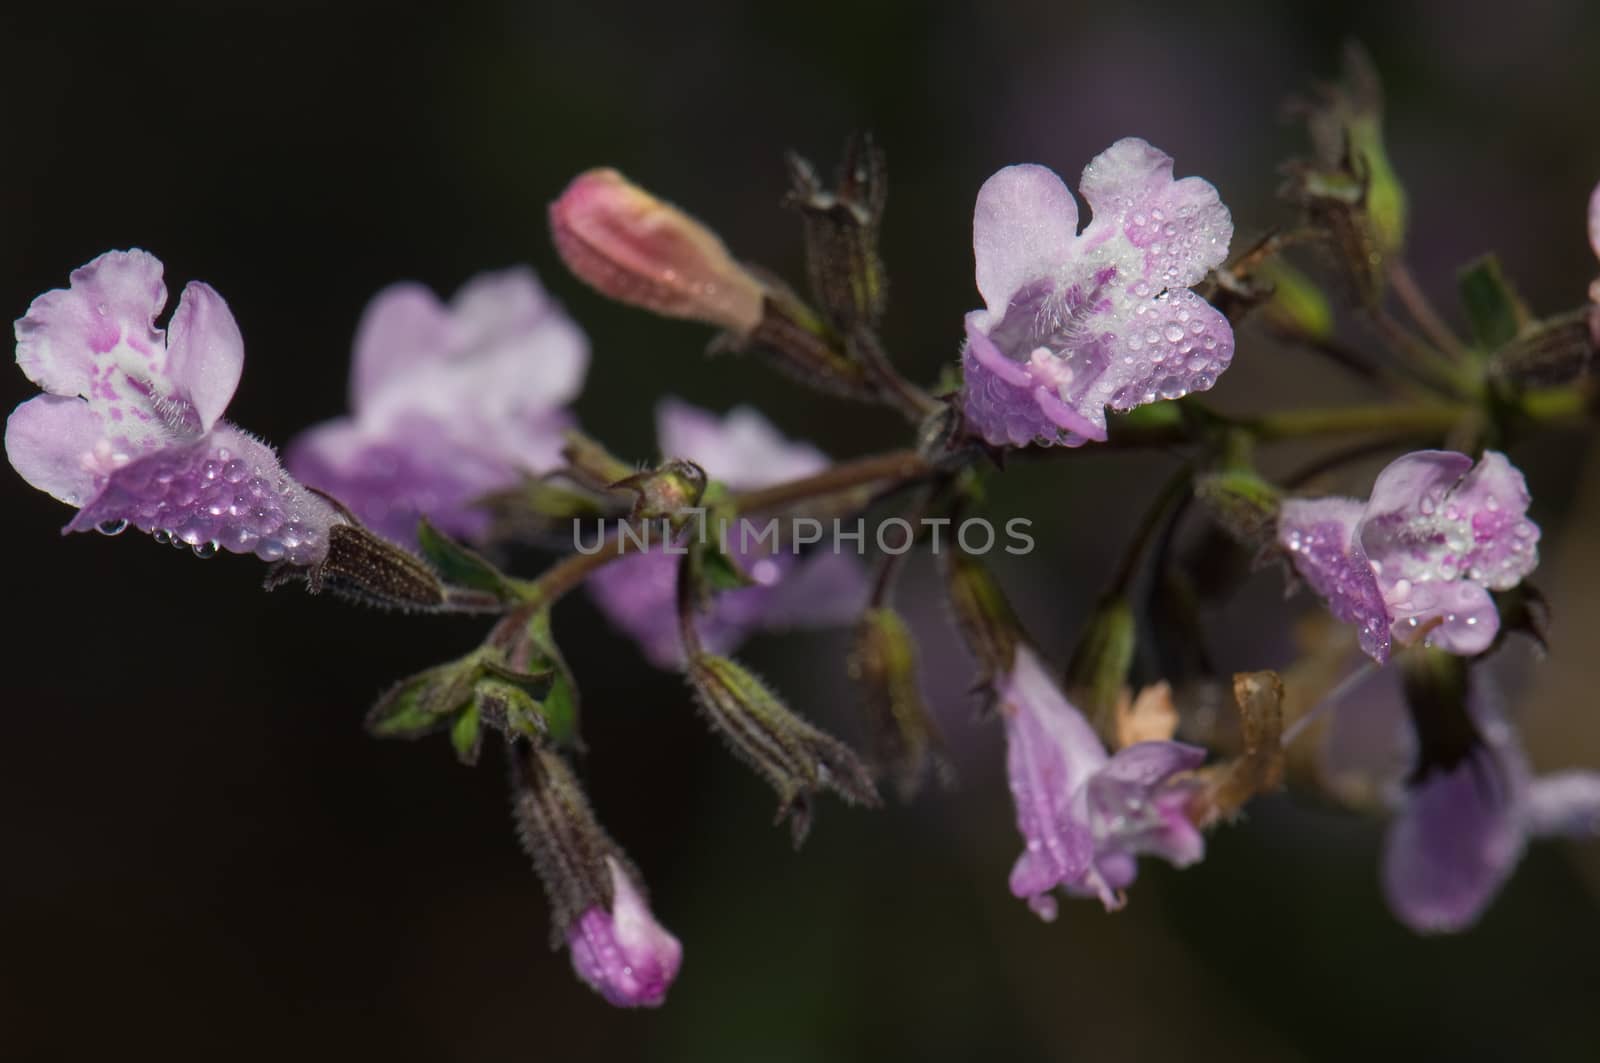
column 1495, row 310
column 421, row 704
column 457, row 564
column 721, row 572
column 560, row 705
column 466, row 735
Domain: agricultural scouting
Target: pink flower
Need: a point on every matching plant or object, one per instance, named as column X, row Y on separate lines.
column 129, row 429
column 624, row 954
column 1437, row 535
column 1074, row 322
column 448, row 403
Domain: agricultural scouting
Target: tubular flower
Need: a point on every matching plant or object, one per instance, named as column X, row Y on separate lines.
column 1422, row 554
column 1461, row 822
column 624, row 954
column 1086, row 816
column 448, row 403
column 1076, row 322
column 129, row 429
column 741, row 450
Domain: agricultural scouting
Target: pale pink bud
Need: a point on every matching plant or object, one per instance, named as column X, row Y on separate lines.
column 626, row 244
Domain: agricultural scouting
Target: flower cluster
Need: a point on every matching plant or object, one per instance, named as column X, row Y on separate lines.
column 458, row 407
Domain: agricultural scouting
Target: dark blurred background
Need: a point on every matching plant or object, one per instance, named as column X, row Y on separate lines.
column 205, row 858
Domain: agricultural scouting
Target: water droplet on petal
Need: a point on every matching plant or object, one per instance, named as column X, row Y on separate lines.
column 111, row 527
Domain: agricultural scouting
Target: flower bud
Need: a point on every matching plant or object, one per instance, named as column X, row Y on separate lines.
column 666, row 491
column 633, row 248
column 1098, row 671
column 1242, row 504
column 1297, row 305
column 991, row 628
column 628, row 957
column 906, row 741
column 596, row 906
column 796, row 758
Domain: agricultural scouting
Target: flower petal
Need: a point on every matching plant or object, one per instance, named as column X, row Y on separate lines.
column 1453, row 845
column 1181, row 227
column 65, row 337
column 48, row 439
column 1493, row 498
column 1170, row 347
column 1565, row 805
column 742, row 449
column 1007, row 405
column 1321, row 536
column 403, row 327
column 530, row 348
column 205, row 352
column 1023, row 227
column 625, row 954
column 1594, row 220
column 1419, row 478
column 225, row 489
column 1468, row 618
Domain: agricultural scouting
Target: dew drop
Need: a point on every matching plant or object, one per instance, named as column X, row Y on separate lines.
column 204, row 549
column 161, row 535
column 111, row 527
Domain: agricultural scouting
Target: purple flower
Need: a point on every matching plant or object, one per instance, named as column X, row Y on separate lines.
column 1462, row 822
column 1437, row 535
column 1594, row 242
column 1084, row 815
column 742, row 450
column 628, row 957
column 129, row 427
column 447, row 404
column 1078, row 322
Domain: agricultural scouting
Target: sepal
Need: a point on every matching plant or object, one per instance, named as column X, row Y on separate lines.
column 796, row 759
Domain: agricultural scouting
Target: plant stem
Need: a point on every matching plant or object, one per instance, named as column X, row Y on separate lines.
column 1422, row 312
column 896, row 467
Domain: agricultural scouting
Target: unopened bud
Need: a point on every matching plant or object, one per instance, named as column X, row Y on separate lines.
column 1100, row 663
column 991, row 628
column 795, row 758
column 1551, row 353
column 666, row 491
column 597, row 906
column 632, row 247
column 906, row 742
column 1297, row 305
column 1242, row 504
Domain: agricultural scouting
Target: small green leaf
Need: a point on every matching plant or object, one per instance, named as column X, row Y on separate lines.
column 1495, row 310
column 457, row 564
column 559, row 706
column 721, row 572
column 421, row 704
column 466, row 735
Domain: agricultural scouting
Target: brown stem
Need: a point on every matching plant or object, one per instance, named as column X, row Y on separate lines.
column 897, row 466
column 1422, row 312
